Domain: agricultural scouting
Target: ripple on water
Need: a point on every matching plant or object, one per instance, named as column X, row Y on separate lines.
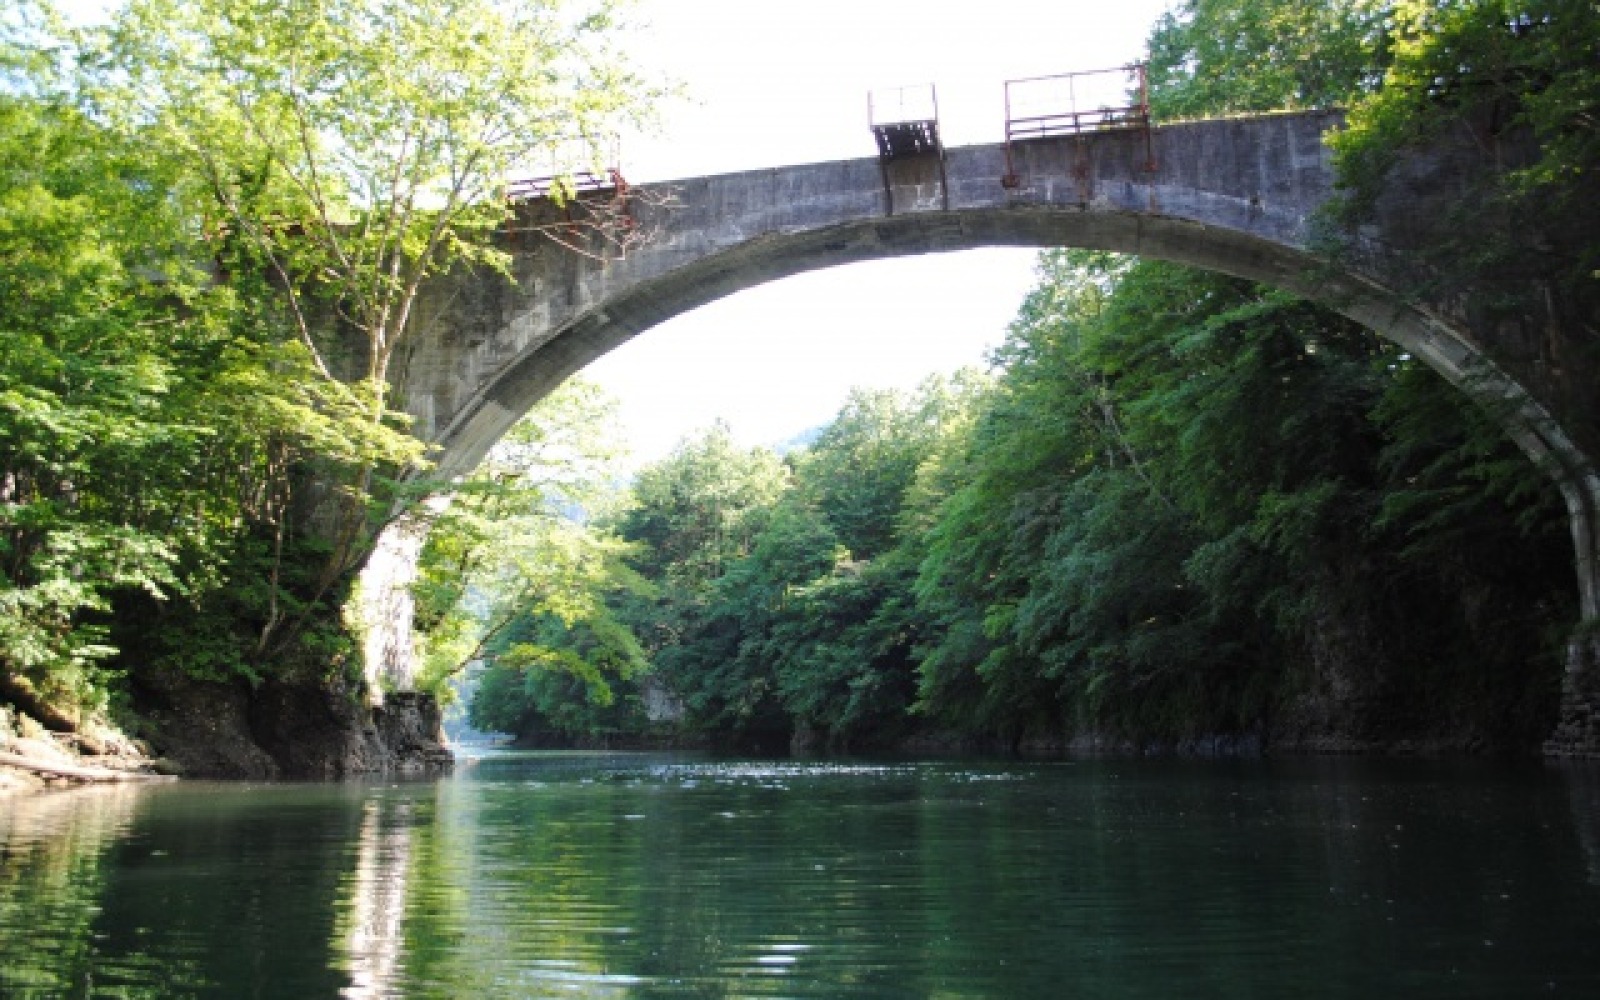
column 635, row 877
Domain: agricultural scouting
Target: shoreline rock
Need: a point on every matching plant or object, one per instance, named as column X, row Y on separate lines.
column 286, row 729
column 33, row 758
column 203, row 729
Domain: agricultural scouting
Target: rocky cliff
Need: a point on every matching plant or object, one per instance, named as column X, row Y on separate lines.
column 284, row 729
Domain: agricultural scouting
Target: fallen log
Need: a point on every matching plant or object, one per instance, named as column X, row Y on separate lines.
column 76, row 773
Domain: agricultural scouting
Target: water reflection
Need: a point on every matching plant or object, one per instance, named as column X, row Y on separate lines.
column 1583, row 787
column 374, row 906
column 52, row 874
column 626, row 877
column 505, row 898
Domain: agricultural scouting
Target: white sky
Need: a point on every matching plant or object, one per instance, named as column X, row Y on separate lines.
column 774, row 84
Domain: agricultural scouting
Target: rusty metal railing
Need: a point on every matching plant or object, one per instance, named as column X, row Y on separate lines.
column 1044, row 107
column 1077, row 104
column 570, row 167
column 904, row 120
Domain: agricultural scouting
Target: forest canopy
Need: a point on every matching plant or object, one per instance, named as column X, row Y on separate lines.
column 1177, row 504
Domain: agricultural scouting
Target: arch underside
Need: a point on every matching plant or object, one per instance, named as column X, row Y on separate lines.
column 630, row 309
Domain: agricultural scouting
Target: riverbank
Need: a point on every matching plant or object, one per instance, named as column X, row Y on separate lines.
column 201, row 729
column 32, row 758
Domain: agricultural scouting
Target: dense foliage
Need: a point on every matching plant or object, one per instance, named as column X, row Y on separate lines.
column 1216, row 527
column 1510, row 88
column 215, row 219
column 516, row 576
column 1186, row 505
column 1217, row 57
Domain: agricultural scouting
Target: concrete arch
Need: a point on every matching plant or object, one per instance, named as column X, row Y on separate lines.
column 614, row 321
column 1239, row 196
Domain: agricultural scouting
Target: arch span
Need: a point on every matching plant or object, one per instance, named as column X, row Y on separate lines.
column 1239, row 196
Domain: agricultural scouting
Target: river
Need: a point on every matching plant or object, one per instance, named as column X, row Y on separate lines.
column 634, row 876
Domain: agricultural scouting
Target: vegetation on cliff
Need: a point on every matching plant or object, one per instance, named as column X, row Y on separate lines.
column 1184, row 505
column 215, row 219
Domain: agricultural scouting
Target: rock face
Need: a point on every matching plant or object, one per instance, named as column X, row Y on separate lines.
column 288, row 729
column 318, row 732
column 1578, row 734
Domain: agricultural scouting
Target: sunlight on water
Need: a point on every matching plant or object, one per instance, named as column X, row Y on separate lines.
column 375, row 900
column 630, row 876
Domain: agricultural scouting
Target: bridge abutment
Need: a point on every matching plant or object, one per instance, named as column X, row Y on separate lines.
column 1577, row 732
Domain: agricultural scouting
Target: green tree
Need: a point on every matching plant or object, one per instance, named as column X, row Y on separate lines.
column 518, row 539
column 1216, row 57
column 548, row 678
column 859, row 469
column 216, row 219
column 701, row 507
column 1184, row 510
column 343, row 155
column 359, row 148
column 142, row 413
column 696, row 514
column 842, row 645
column 1001, row 491
column 809, row 627
column 1510, row 87
column 83, row 401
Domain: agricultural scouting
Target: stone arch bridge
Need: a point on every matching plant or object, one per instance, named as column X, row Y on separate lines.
column 1240, row 196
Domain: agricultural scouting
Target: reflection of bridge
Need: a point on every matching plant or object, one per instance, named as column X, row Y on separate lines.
column 1238, row 196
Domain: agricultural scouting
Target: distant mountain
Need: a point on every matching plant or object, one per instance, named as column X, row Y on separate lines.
column 804, row 439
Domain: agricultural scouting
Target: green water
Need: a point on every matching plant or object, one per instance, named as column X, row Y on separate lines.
column 617, row 876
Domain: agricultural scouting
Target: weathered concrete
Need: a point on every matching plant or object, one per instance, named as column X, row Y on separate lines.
column 1239, row 196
